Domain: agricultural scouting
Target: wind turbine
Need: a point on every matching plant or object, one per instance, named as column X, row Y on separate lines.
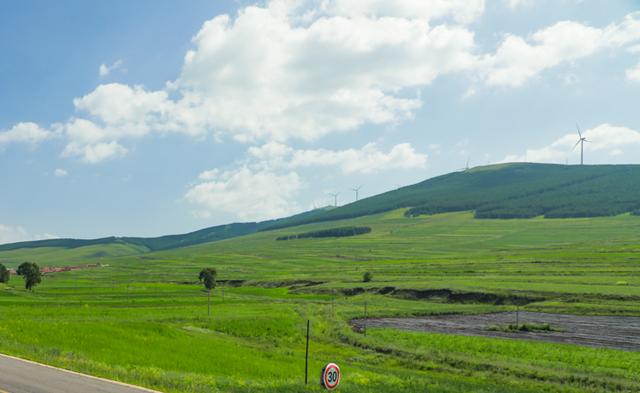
column 580, row 142
column 466, row 168
column 335, row 198
column 356, row 190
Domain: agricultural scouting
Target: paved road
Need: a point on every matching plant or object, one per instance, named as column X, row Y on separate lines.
column 21, row 376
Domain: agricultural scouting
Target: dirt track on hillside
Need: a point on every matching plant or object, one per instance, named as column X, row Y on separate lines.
column 594, row 331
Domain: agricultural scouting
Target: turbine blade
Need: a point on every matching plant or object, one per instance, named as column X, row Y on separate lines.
column 576, row 145
column 578, row 128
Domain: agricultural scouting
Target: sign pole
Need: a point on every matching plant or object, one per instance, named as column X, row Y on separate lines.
column 306, row 358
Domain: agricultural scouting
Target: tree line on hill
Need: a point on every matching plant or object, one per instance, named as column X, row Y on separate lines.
column 332, row 232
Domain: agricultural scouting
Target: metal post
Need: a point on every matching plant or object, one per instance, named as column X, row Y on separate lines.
column 306, row 358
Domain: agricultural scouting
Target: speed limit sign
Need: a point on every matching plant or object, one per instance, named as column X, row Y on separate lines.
column 330, row 376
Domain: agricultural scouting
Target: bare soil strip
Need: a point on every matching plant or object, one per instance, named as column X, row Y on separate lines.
column 594, row 331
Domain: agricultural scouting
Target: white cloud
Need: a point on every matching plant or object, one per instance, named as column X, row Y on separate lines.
column 517, row 60
column 462, row 11
column 333, row 74
column 117, row 112
column 266, row 183
column 265, row 75
column 609, row 139
column 634, row 73
column 518, row 3
column 95, row 153
column 105, row 70
column 29, row 133
column 12, row 234
column 59, row 172
column 245, row 193
column 299, row 70
column 368, row 159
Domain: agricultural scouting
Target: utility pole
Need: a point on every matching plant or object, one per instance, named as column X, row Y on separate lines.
column 306, row 358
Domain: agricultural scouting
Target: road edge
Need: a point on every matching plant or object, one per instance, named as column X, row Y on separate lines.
column 79, row 374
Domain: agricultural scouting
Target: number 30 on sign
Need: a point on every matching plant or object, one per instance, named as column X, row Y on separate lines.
column 330, row 376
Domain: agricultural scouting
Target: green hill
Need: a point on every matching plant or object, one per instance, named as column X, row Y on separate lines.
column 495, row 191
column 211, row 234
column 510, row 191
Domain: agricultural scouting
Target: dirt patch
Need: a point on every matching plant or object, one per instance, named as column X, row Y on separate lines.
column 291, row 284
column 232, row 283
column 594, row 331
column 463, row 297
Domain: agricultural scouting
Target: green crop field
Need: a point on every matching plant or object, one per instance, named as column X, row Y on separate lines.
column 141, row 317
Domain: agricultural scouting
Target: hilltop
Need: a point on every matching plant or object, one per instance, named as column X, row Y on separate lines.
column 501, row 191
column 509, row 191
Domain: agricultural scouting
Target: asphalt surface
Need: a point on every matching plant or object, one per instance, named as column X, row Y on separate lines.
column 21, row 376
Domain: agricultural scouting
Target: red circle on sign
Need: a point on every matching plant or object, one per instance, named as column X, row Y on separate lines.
column 331, row 376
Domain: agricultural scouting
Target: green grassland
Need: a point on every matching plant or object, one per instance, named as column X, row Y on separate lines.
column 141, row 316
column 506, row 191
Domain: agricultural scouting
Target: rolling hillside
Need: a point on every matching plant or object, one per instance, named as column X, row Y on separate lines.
column 496, row 191
column 142, row 244
column 510, row 191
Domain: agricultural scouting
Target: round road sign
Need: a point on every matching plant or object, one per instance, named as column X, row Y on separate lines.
column 330, row 376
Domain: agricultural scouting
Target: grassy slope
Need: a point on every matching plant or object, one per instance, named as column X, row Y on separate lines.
column 140, row 320
column 511, row 190
column 498, row 191
column 144, row 244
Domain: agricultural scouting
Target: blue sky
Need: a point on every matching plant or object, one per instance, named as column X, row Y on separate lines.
column 149, row 117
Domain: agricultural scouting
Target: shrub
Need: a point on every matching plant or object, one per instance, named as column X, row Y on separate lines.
column 333, row 232
column 31, row 273
column 367, row 277
column 4, row 274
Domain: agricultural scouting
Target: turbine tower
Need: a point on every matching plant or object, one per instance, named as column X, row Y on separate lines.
column 356, row 190
column 466, row 168
column 580, row 142
column 335, row 198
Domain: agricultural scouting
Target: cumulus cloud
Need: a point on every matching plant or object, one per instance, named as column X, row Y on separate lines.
column 461, row 11
column 368, row 159
column 59, row 172
column 12, row 234
column 518, row 3
column 265, row 184
column 245, row 193
column 517, row 59
column 606, row 138
column 29, row 133
column 333, row 74
column 633, row 73
column 299, row 70
column 95, row 153
column 105, row 70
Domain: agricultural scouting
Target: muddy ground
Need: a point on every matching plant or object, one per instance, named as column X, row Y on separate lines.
column 595, row 331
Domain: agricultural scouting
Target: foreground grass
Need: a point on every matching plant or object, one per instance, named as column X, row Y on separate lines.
column 142, row 318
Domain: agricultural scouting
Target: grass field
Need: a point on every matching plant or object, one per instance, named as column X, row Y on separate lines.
column 141, row 317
